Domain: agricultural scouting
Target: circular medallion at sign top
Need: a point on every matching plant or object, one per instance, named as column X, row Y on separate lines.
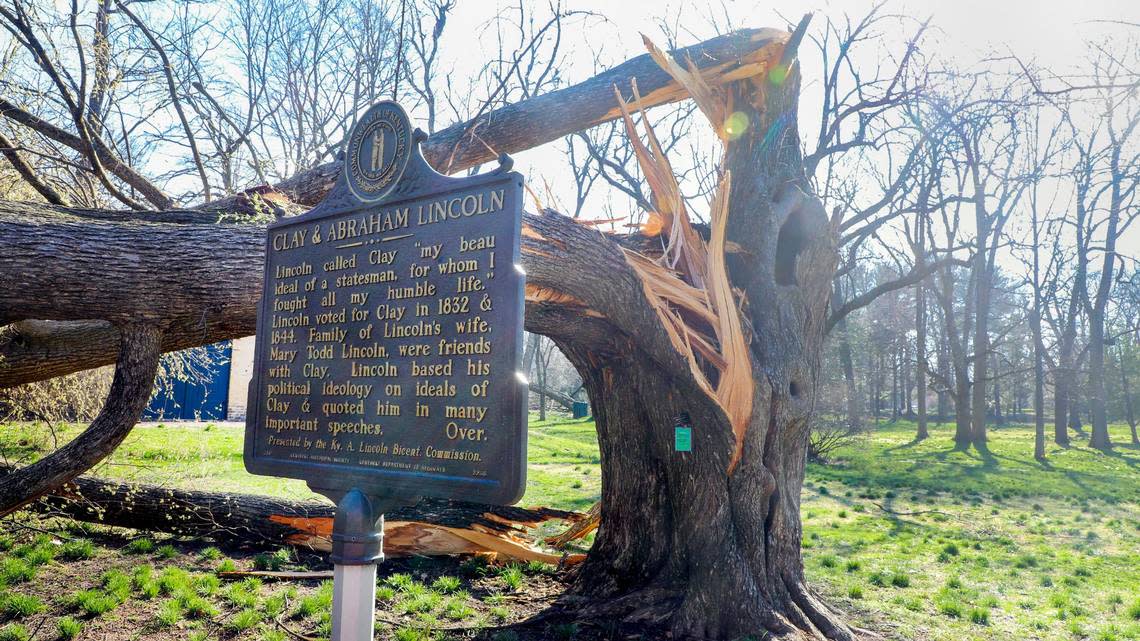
column 378, row 150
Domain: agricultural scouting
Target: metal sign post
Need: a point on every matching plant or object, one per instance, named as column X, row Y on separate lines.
column 357, row 547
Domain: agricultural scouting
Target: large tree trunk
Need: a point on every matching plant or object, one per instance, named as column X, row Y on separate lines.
column 1038, row 368
column 920, row 359
column 1126, row 390
column 839, row 333
column 683, row 542
column 981, row 354
column 1097, row 392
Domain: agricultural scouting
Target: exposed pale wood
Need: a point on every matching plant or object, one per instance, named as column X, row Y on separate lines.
column 430, row 528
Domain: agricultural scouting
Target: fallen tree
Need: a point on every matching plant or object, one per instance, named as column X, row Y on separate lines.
column 721, row 336
column 430, row 528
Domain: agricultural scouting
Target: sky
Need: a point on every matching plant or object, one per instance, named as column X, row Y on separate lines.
column 1051, row 33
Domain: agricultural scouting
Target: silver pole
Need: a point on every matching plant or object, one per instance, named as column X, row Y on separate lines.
column 354, row 602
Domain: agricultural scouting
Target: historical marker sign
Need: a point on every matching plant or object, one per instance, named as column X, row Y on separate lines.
column 390, row 330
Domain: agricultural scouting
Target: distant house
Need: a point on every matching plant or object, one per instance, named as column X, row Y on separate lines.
column 220, row 392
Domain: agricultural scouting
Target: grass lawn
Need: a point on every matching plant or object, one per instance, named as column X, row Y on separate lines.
column 918, row 541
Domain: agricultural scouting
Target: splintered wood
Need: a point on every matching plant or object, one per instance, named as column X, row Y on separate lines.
column 688, row 285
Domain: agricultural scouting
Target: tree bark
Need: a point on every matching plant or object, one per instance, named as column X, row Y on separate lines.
column 429, row 528
column 130, row 390
column 1126, row 390
column 920, row 359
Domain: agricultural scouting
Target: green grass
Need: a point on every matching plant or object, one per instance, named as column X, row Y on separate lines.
column 889, row 459
column 14, row 632
column 19, row 606
column 192, row 457
column 68, row 628
column 944, row 544
column 965, row 546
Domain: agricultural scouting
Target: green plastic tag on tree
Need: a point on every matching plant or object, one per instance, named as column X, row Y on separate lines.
column 683, row 439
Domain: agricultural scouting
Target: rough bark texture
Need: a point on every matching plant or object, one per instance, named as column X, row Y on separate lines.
column 431, row 527
column 130, row 390
column 38, row 353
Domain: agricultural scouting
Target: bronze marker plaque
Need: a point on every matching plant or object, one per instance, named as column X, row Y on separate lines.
column 390, row 330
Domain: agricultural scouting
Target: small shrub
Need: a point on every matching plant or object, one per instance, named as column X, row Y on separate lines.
column 980, row 616
column 954, row 583
column 576, row 484
column 275, row 605
column 68, row 628
column 227, row 565
column 499, row 613
column 856, row 592
column 317, row 602
column 117, row 585
column 842, row 514
column 564, row 631
column 174, row 581
column 828, row 561
column 77, row 550
column 852, row 566
column 400, row 581
column 206, row 584
column 457, row 610
column 951, row 549
column 386, row 593
column 140, row 546
column 446, row 584
column 420, row 603
column 14, row 571
column 877, row 579
column 1134, row 610
column 244, row 593
column 272, row 562
column 210, row 554
column 950, row 608
column 169, row 614
column 1046, row 581
column 244, row 620
column 14, row 632
column 900, row 580
column 1025, row 561
column 40, row 554
column 195, row 606
column 18, row 606
column 512, row 576
column 93, row 602
column 166, row 552
column 409, row 633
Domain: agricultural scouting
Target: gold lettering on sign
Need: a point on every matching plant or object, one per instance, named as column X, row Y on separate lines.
column 367, row 305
